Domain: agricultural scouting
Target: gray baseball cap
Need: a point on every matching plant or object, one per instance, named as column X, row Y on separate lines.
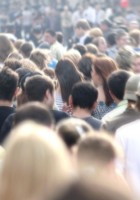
column 131, row 87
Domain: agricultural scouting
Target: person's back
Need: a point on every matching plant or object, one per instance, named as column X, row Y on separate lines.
column 130, row 114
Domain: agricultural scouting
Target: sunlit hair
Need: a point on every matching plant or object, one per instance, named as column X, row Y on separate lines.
column 28, row 64
column 104, row 66
column 39, row 57
column 95, row 32
column 98, row 151
column 35, row 163
column 71, row 130
column 73, row 55
column 6, row 47
column 135, row 36
column 124, row 58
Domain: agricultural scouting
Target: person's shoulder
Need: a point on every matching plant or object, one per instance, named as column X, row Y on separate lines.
column 59, row 115
column 95, row 123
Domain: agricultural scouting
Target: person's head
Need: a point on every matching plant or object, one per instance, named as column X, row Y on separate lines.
column 6, row 47
column 111, row 39
column 18, row 43
column 103, row 67
column 135, row 37
column 81, row 48
column 118, row 78
column 71, row 130
column 85, row 66
column 49, row 72
column 50, row 37
column 122, row 38
column 12, row 63
column 40, row 88
column 8, row 84
column 34, row 111
column 95, row 32
column 84, row 96
column 131, row 88
column 105, row 25
column 97, row 153
column 89, row 188
column 59, row 37
column 73, row 55
column 91, row 48
column 39, row 58
column 67, row 75
column 28, row 64
column 101, row 44
column 26, row 49
column 15, row 55
column 82, row 26
column 136, row 63
column 124, row 58
column 33, row 166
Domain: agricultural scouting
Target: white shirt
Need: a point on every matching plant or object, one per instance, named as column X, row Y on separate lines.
column 129, row 138
column 90, row 15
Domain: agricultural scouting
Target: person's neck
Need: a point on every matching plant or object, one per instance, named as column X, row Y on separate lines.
column 81, row 113
column 5, row 103
column 101, row 94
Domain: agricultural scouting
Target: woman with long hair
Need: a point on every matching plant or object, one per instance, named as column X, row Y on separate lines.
column 103, row 67
column 67, row 75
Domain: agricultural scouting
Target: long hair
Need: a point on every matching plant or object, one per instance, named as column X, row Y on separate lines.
column 104, row 66
column 67, row 75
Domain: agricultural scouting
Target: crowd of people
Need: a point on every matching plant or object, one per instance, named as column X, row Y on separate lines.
column 70, row 104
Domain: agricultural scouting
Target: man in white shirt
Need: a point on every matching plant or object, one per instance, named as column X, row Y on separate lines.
column 81, row 30
column 129, row 138
column 89, row 14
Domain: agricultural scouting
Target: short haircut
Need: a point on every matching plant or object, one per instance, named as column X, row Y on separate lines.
column 120, row 33
column 51, row 32
column 81, row 48
column 26, row 48
column 111, row 38
column 71, row 130
column 13, row 63
column 97, row 149
column 36, row 87
column 84, row 95
column 116, row 83
column 83, row 24
column 8, row 84
column 33, row 111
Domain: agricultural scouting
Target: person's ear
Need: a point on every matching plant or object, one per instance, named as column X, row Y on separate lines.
column 70, row 101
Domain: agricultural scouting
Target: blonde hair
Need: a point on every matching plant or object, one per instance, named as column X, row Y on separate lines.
column 33, row 163
column 95, row 32
column 28, row 64
column 73, row 55
column 39, row 58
